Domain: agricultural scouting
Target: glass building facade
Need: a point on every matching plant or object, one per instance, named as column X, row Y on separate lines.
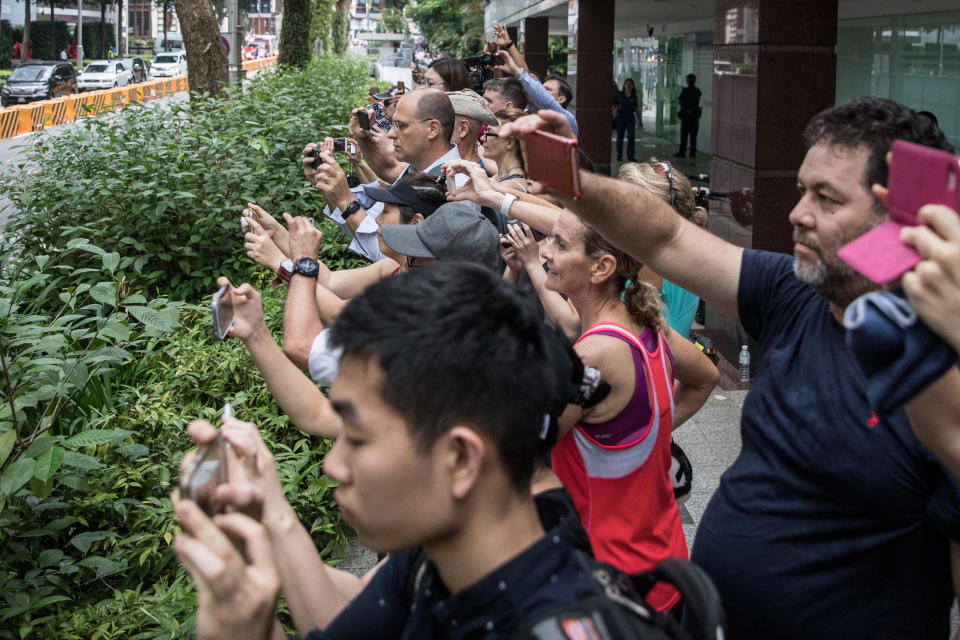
column 913, row 59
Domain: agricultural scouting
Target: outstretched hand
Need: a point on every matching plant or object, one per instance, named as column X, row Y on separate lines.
column 521, row 238
column 478, row 189
column 546, row 120
column 247, row 310
column 508, row 65
column 260, row 247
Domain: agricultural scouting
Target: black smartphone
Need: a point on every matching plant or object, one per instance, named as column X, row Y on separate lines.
column 317, row 160
column 222, row 311
column 364, row 119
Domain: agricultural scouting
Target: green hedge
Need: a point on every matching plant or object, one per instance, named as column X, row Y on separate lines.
column 91, row 39
column 165, row 188
column 120, row 218
column 6, row 44
column 41, row 32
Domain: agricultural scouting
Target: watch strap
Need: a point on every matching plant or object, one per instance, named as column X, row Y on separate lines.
column 350, row 209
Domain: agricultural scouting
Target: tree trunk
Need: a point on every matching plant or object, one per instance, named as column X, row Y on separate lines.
column 206, row 59
column 53, row 31
column 166, row 26
column 119, row 28
column 295, row 34
column 103, row 29
column 341, row 40
column 25, row 51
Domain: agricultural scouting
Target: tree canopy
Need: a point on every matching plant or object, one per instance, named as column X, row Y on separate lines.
column 451, row 27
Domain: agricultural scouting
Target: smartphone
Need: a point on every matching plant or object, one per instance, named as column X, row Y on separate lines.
column 207, row 470
column 918, row 176
column 344, row 146
column 317, row 160
column 364, row 119
column 222, row 311
column 552, row 160
column 451, row 184
column 400, row 87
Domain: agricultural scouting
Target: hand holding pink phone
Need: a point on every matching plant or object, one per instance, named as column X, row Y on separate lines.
column 918, row 176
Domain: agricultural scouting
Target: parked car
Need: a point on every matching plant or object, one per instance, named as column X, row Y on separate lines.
column 138, row 69
column 105, row 74
column 167, row 65
column 38, row 80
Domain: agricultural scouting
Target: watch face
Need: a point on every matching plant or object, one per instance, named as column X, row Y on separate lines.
column 307, row 267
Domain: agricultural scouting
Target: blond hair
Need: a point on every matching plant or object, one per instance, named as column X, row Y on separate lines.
column 645, row 175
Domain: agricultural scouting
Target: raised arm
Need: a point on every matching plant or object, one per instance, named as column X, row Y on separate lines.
column 301, row 319
column 539, row 96
column 644, row 226
column 377, row 148
column 296, row 394
column 695, row 377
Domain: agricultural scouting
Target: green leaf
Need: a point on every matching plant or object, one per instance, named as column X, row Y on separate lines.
column 42, row 489
column 92, row 437
column 82, row 541
column 7, row 440
column 103, row 566
column 16, row 475
column 152, row 318
column 47, row 464
column 104, row 292
column 133, row 451
column 51, row 557
column 110, row 261
column 81, row 461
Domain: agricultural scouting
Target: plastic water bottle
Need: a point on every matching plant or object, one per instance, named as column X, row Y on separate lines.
column 744, row 364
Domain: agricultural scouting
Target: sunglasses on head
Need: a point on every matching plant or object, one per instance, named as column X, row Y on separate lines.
column 666, row 169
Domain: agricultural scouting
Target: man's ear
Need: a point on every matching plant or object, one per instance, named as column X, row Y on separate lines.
column 603, row 268
column 464, row 453
column 435, row 129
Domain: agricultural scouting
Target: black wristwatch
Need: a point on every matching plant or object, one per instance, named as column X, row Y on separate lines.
column 350, row 209
column 306, row 266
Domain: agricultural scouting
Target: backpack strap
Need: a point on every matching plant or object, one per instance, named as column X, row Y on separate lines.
column 703, row 608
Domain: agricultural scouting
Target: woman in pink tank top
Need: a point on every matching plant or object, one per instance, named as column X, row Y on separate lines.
column 614, row 458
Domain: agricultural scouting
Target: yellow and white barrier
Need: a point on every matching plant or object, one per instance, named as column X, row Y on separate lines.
column 34, row 116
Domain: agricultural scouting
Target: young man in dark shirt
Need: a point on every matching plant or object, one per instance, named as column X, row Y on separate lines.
column 833, row 522
column 443, row 386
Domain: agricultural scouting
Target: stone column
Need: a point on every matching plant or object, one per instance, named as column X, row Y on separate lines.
column 774, row 69
column 590, row 73
column 535, row 38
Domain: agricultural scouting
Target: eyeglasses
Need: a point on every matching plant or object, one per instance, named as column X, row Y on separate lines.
column 666, row 169
column 400, row 125
column 490, row 134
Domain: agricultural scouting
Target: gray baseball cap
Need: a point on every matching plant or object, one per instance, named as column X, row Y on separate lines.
column 455, row 232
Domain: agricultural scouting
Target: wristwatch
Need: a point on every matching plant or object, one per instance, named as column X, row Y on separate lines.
column 285, row 271
column 306, row 266
column 350, row 209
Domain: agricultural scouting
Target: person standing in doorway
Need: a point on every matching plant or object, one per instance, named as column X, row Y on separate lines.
column 626, row 104
column 689, row 116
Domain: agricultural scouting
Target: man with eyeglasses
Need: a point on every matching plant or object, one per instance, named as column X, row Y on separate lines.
column 834, row 521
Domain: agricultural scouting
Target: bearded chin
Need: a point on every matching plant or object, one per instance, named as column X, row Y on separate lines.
column 814, row 274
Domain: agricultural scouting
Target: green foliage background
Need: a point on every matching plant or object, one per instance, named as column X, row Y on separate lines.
column 451, row 27
column 295, row 45
column 106, row 351
column 557, row 55
column 320, row 21
column 6, row 44
column 91, row 38
column 41, row 32
column 392, row 19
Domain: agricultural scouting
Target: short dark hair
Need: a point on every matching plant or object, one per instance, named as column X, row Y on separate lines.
column 435, row 105
column 428, row 188
column 454, row 73
column 510, row 90
column 457, row 346
column 873, row 123
column 565, row 89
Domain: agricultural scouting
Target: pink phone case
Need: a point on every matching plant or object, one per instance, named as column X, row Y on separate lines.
column 918, row 176
column 552, row 160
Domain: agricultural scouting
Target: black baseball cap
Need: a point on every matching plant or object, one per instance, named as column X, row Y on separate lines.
column 401, row 193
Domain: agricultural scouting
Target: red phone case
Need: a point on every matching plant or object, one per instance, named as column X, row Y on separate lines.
column 552, row 160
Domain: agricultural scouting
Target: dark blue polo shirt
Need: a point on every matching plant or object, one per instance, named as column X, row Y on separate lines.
column 542, row 578
column 832, row 522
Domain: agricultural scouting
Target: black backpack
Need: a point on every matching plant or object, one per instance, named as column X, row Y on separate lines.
column 618, row 610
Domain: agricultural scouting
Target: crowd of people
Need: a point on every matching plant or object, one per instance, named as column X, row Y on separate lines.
column 467, row 453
